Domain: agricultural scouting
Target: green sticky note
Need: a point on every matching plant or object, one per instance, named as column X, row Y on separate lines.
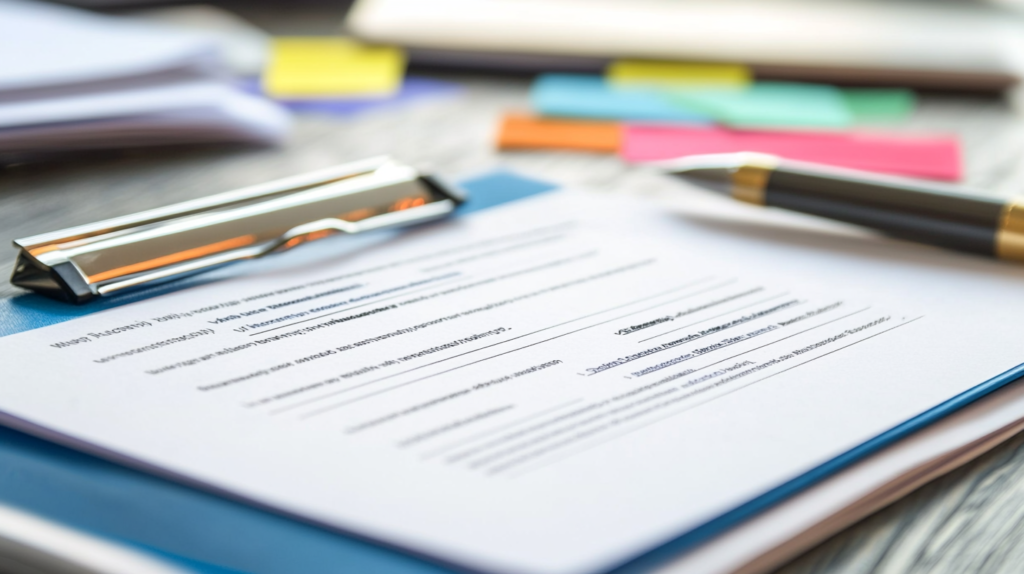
column 770, row 104
column 880, row 104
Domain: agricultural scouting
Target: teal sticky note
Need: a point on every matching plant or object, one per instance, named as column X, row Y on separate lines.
column 589, row 96
column 880, row 104
column 771, row 104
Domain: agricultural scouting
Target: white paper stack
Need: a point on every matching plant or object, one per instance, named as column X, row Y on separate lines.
column 72, row 80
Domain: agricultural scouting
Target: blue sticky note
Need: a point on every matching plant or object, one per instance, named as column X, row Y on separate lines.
column 589, row 96
column 770, row 104
column 413, row 89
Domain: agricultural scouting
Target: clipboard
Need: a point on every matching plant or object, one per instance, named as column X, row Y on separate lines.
column 189, row 528
column 204, row 532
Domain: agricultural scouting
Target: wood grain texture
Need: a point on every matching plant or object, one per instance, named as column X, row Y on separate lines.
column 969, row 521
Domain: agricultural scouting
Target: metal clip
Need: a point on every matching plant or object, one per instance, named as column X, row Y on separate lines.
column 103, row 258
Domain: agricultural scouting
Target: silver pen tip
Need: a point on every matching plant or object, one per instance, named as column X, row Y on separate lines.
column 730, row 161
column 712, row 171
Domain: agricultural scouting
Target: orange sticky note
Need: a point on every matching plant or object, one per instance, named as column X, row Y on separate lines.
column 524, row 132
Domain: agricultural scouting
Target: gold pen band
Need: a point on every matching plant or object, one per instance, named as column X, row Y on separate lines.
column 750, row 180
column 1010, row 234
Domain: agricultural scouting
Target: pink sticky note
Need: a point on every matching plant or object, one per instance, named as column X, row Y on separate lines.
column 931, row 157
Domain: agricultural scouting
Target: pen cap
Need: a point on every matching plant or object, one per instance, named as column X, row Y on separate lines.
column 99, row 259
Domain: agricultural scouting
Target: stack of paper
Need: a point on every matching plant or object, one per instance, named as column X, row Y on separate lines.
column 74, row 80
column 243, row 46
column 958, row 45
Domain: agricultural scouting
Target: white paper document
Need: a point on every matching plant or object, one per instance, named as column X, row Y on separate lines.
column 43, row 46
column 553, row 386
column 245, row 47
column 196, row 111
column 74, row 80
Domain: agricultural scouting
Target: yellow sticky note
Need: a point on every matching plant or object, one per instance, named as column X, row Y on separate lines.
column 677, row 74
column 321, row 67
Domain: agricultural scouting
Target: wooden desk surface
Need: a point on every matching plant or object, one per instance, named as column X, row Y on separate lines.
column 969, row 521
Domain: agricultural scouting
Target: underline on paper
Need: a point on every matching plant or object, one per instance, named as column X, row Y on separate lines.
column 375, row 302
column 783, row 294
column 795, row 302
column 779, row 340
column 459, row 277
column 315, row 399
column 679, row 375
column 485, row 434
column 320, row 411
column 674, row 413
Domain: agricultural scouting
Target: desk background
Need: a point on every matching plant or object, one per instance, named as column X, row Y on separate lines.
column 969, row 521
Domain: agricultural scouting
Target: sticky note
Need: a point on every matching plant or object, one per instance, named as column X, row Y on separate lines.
column 589, row 96
column 313, row 67
column 931, row 157
column 525, row 132
column 880, row 104
column 659, row 73
column 770, row 104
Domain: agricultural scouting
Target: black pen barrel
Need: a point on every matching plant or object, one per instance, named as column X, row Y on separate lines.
column 921, row 212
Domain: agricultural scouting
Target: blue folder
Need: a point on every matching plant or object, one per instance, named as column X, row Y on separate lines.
column 207, row 533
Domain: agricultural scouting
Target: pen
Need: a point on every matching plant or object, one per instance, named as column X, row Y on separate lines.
column 925, row 212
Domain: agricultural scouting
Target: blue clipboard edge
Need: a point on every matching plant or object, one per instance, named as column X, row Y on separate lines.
column 430, row 563
column 645, row 561
column 511, row 187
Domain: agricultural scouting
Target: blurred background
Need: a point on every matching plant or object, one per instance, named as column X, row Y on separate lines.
column 210, row 96
column 112, row 107
column 578, row 90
